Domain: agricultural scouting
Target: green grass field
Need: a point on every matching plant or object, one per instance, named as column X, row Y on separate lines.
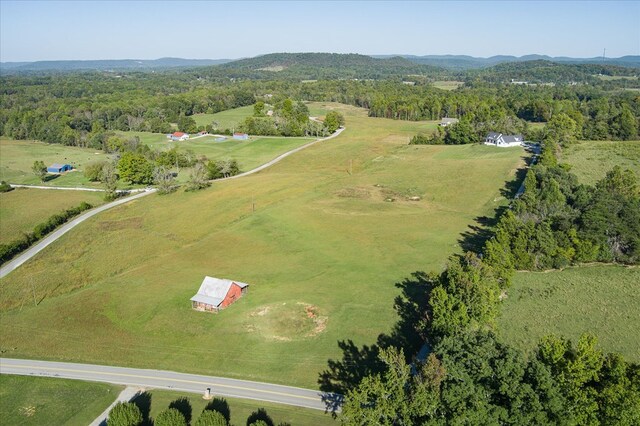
column 116, row 289
column 241, row 409
column 226, row 119
column 600, row 299
column 17, row 157
column 250, row 153
column 22, row 209
column 591, row 160
column 34, row 401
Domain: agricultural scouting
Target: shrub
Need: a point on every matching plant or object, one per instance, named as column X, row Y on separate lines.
column 170, row 417
column 125, row 414
column 93, row 171
column 5, row 187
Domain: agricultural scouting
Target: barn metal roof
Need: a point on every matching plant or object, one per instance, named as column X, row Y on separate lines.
column 213, row 290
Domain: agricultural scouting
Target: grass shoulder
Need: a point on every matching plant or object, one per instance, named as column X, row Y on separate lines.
column 41, row 400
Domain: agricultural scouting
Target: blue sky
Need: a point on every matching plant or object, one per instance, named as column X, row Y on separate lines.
column 50, row 30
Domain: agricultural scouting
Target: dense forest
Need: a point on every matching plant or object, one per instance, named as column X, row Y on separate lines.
column 79, row 108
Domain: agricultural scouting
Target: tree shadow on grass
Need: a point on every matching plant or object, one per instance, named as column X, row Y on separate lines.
column 478, row 234
column 221, row 406
column 143, row 402
column 412, row 306
column 184, row 406
column 261, row 414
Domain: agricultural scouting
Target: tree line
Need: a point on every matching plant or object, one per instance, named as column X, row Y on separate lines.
column 470, row 376
column 179, row 413
column 79, row 109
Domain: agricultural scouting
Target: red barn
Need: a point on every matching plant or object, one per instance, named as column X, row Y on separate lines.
column 215, row 294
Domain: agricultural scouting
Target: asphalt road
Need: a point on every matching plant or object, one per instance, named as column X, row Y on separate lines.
column 16, row 262
column 159, row 379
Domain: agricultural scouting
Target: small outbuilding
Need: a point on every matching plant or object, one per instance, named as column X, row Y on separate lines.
column 240, row 136
column 59, row 168
column 446, row 121
column 216, row 294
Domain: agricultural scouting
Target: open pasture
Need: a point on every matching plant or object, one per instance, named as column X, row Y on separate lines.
column 17, row 157
column 34, row 401
column 599, row 299
column 591, row 160
column 321, row 237
column 228, row 119
column 22, row 209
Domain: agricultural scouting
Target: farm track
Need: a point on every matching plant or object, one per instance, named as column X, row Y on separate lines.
column 24, row 257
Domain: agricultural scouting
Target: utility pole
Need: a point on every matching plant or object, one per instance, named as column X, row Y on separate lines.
column 350, row 167
column 253, row 205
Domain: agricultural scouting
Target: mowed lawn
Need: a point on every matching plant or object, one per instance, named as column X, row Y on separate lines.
column 239, row 409
column 591, row 160
column 332, row 233
column 17, row 158
column 22, row 209
column 229, row 119
column 599, row 299
column 34, row 401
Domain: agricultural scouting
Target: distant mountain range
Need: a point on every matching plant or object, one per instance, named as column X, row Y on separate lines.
column 110, row 64
column 463, row 62
column 281, row 61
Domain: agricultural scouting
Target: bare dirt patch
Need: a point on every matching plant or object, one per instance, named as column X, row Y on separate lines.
column 285, row 322
column 357, row 192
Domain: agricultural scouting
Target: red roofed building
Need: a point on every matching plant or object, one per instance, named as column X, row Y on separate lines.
column 178, row 136
column 215, row 294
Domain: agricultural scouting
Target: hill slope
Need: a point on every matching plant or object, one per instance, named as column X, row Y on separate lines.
column 314, row 66
column 465, row 62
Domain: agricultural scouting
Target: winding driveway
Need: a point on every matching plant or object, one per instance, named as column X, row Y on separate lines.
column 160, row 379
column 25, row 256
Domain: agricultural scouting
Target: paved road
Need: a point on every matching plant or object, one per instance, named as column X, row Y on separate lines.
column 160, row 379
column 13, row 264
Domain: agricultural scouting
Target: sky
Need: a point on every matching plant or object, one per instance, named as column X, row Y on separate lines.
column 65, row 30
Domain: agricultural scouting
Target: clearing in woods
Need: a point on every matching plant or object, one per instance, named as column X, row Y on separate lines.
column 599, row 299
column 591, row 160
column 334, row 229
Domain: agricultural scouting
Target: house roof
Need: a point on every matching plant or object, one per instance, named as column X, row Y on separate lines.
column 512, row 138
column 213, row 290
column 58, row 166
column 449, row 120
column 178, row 134
column 239, row 133
column 505, row 138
